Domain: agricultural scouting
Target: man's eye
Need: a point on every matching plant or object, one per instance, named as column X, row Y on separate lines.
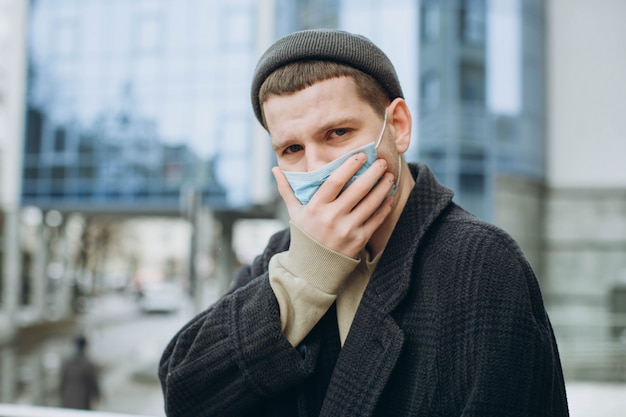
column 340, row 132
column 292, row 149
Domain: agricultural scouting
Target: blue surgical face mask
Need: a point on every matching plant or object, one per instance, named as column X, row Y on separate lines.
column 306, row 184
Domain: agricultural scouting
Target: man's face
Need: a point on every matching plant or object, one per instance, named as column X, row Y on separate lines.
column 314, row 126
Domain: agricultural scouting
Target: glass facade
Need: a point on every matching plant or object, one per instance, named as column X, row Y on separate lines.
column 474, row 121
column 131, row 101
column 293, row 15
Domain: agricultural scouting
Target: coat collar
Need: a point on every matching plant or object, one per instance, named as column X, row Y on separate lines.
column 425, row 204
column 375, row 340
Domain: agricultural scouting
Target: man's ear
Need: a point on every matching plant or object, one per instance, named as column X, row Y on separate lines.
column 401, row 121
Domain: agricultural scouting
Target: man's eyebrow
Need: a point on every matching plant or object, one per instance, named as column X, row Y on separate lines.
column 334, row 123
column 331, row 124
column 278, row 144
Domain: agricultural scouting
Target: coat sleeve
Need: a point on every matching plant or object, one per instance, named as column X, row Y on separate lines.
column 223, row 363
column 498, row 334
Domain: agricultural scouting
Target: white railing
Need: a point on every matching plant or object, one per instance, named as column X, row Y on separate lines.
column 19, row 410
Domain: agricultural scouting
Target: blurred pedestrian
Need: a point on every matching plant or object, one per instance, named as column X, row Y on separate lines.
column 78, row 386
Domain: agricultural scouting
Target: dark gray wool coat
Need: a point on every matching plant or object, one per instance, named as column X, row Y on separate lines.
column 452, row 323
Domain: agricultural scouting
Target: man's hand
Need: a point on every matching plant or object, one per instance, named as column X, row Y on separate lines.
column 343, row 221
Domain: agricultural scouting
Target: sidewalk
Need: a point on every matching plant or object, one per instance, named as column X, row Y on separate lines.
column 128, row 344
column 596, row 399
column 142, row 395
column 586, row 399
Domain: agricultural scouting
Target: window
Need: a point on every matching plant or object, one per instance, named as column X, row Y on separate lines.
column 504, row 128
column 60, row 139
column 472, row 193
column 472, row 82
column 430, row 90
column 65, row 37
column 149, row 33
column 430, row 20
column 317, row 13
column 238, row 29
column 472, row 17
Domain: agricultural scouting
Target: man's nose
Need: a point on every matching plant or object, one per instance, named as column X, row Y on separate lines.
column 315, row 158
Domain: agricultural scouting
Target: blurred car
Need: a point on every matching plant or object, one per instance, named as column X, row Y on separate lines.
column 160, row 297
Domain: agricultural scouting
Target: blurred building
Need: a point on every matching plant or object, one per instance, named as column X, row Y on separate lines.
column 128, row 108
column 482, row 95
column 584, row 209
column 12, row 99
column 481, row 124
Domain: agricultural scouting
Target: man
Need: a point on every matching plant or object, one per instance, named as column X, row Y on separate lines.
column 79, row 386
column 384, row 298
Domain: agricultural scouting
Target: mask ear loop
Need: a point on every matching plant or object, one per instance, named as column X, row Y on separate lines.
column 399, row 169
column 380, row 137
column 394, row 187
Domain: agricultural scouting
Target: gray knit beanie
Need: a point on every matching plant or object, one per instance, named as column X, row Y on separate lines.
column 326, row 45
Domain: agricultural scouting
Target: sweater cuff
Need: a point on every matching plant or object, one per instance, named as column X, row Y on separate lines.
column 323, row 268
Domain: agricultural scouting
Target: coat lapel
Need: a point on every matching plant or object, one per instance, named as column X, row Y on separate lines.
column 375, row 341
column 363, row 367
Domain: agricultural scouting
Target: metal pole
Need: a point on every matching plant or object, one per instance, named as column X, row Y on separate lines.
column 13, row 65
column 11, row 274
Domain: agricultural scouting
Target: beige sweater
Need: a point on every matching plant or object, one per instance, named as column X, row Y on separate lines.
column 309, row 277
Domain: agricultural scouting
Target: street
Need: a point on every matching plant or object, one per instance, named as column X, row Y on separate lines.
column 126, row 345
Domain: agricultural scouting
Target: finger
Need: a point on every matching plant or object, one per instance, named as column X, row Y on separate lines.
column 375, row 198
column 284, row 189
column 377, row 218
column 335, row 183
column 364, row 184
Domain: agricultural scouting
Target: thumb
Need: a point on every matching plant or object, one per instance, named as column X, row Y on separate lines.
column 284, row 189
